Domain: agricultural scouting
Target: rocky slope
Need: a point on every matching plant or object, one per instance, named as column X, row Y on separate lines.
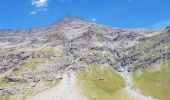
column 34, row 60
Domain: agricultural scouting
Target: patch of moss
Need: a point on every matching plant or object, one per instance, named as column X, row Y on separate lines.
column 155, row 83
column 100, row 83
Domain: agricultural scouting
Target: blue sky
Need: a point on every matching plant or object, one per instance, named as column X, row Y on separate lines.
column 21, row 14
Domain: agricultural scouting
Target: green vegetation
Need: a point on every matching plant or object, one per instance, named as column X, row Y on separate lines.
column 47, row 84
column 49, row 50
column 27, row 94
column 13, row 84
column 146, row 44
column 34, row 62
column 7, row 97
column 157, row 51
column 52, row 83
column 16, row 73
column 155, row 82
column 101, row 83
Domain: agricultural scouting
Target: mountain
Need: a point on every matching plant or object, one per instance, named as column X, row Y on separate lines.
column 70, row 57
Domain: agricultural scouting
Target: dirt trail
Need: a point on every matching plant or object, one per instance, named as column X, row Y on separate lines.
column 65, row 90
column 136, row 94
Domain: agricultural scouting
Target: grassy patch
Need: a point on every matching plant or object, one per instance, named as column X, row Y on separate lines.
column 100, row 83
column 34, row 62
column 27, row 94
column 16, row 73
column 155, row 83
column 49, row 50
column 52, row 83
column 47, row 84
column 7, row 97
column 13, row 84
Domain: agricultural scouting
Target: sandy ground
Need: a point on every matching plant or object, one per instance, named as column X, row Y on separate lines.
column 65, row 90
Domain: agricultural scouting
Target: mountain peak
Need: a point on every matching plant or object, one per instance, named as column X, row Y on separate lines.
column 68, row 19
column 72, row 18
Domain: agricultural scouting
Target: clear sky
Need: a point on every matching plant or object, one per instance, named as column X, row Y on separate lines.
column 20, row 14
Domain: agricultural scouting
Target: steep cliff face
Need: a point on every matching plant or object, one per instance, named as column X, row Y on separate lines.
column 36, row 59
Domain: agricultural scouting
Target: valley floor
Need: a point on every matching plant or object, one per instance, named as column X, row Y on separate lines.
column 65, row 90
